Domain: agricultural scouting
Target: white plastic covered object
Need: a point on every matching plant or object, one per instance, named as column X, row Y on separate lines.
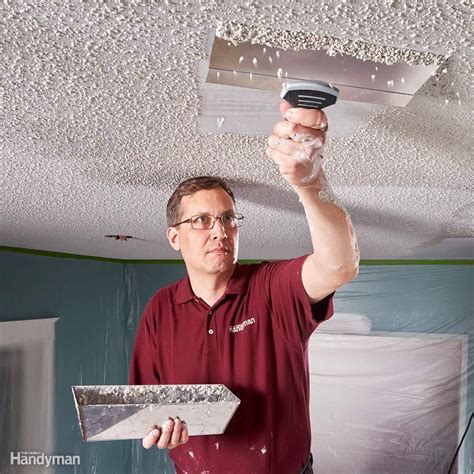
column 346, row 323
column 387, row 402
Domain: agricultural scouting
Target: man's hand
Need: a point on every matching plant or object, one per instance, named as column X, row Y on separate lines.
column 296, row 143
column 174, row 433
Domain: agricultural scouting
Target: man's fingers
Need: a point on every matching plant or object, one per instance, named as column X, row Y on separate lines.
column 285, row 129
column 165, row 434
column 176, row 434
column 150, row 439
column 284, row 106
column 283, row 144
column 173, row 433
column 277, row 156
column 184, row 433
column 312, row 118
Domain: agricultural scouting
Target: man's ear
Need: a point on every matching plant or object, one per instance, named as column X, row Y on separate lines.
column 173, row 237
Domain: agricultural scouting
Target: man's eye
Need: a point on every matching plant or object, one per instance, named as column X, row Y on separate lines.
column 227, row 218
column 201, row 219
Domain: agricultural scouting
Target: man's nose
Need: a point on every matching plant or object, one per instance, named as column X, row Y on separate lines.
column 218, row 231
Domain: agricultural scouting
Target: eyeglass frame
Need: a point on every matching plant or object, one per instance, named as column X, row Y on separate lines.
column 239, row 217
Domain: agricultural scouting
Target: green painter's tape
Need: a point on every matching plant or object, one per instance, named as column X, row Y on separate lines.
column 45, row 253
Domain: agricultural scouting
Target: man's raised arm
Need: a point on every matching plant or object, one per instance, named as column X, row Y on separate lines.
column 295, row 146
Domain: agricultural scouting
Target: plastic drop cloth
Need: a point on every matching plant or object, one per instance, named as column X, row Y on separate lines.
column 391, row 373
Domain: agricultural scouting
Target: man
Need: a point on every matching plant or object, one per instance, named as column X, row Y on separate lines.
column 247, row 326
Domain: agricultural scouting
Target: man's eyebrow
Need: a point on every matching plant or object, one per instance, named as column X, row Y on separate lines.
column 200, row 213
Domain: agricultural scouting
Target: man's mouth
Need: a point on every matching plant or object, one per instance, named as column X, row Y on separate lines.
column 220, row 251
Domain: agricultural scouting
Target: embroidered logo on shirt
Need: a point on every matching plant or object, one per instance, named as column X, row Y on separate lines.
column 241, row 326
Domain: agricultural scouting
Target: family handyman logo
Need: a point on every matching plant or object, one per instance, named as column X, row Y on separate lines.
column 241, row 326
column 37, row 458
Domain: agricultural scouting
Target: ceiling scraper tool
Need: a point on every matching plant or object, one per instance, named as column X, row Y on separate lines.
column 249, row 65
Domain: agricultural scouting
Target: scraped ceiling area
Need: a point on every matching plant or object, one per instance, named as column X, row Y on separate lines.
column 99, row 123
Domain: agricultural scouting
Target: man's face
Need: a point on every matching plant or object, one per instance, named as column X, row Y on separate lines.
column 213, row 250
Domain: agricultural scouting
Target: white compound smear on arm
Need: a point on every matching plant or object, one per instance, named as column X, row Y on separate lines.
column 326, row 194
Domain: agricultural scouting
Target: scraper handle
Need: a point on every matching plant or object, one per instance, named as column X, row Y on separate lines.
column 310, row 95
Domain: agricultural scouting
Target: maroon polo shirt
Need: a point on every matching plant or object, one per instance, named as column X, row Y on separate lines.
column 253, row 340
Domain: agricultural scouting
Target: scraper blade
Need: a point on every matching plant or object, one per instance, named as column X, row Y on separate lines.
column 263, row 67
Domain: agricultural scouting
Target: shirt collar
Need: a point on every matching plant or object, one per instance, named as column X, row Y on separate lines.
column 237, row 285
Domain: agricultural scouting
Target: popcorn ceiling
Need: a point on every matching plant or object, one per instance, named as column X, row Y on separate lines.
column 298, row 40
column 98, row 125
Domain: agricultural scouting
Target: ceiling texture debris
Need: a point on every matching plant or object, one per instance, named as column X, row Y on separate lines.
column 99, row 123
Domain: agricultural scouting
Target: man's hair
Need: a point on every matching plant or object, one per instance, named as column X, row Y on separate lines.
column 188, row 188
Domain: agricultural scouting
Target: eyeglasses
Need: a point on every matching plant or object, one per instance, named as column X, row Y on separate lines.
column 206, row 222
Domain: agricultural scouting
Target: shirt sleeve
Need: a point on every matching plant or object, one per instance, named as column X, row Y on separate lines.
column 291, row 310
column 143, row 369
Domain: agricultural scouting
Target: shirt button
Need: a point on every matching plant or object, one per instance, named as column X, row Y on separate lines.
column 210, row 313
column 210, row 331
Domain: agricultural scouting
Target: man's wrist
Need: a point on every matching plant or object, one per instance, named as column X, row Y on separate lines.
column 312, row 187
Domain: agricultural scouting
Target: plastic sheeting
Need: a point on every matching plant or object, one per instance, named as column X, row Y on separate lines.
column 391, row 376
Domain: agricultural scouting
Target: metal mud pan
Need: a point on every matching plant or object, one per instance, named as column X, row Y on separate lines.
column 111, row 412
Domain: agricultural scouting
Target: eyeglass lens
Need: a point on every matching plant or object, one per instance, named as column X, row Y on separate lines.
column 207, row 222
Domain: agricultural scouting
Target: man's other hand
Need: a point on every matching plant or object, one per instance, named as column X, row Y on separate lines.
column 174, row 433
